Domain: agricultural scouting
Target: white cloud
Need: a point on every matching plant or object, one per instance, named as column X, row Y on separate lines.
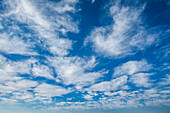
column 59, row 46
column 8, row 100
column 19, row 85
column 22, row 95
column 24, row 11
column 65, row 6
column 135, row 69
column 88, row 97
column 39, row 70
column 46, row 20
column 165, row 81
column 75, row 70
column 92, row 1
column 22, row 84
column 71, row 103
column 46, row 25
column 132, row 67
column 141, row 79
column 1, row 26
column 125, row 36
column 165, row 91
column 10, row 79
column 15, row 45
column 48, row 90
column 9, row 70
column 114, row 84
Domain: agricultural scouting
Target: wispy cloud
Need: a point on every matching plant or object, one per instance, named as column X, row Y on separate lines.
column 132, row 67
column 109, row 85
column 38, row 68
column 75, row 70
column 141, row 79
column 125, row 36
column 135, row 69
column 15, row 45
column 47, row 27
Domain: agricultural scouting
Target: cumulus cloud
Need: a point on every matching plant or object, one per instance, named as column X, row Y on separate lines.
column 125, row 36
column 51, row 90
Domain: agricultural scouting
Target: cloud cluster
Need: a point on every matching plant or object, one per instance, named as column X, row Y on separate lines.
column 45, row 28
column 76, row 70
column 37, row 67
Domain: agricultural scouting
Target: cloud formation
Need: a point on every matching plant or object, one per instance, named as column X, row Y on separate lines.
column 125, row 36
column 124, row 62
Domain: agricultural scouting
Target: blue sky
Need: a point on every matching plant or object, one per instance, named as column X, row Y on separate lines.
column 89, row 56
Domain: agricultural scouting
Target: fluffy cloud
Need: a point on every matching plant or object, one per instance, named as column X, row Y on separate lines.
column 75, row 70
column 39, row 70
column 51, row 90
column 23, row 95
column 20, row 85
column 141, row 79
column 15, row 45
column 135, row 69
column 9, row 70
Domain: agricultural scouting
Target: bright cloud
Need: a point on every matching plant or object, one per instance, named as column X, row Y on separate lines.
column 132, row 67
column 109, row 85
column 75, row 70
column 50, row 90
column 125, row 36
column 141, row 80
column 42, row 71
column 15, row 45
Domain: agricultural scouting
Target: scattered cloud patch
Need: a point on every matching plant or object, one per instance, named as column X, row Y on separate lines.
column 48, row 90
column 125, row 36
column 76, row 70
column 39, row 70
column 44, row 65
column 112, row 85
column 132, row 67
column 15, row 45
column 141, row 80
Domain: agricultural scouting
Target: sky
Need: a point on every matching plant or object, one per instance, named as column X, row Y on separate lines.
column 84, row 56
